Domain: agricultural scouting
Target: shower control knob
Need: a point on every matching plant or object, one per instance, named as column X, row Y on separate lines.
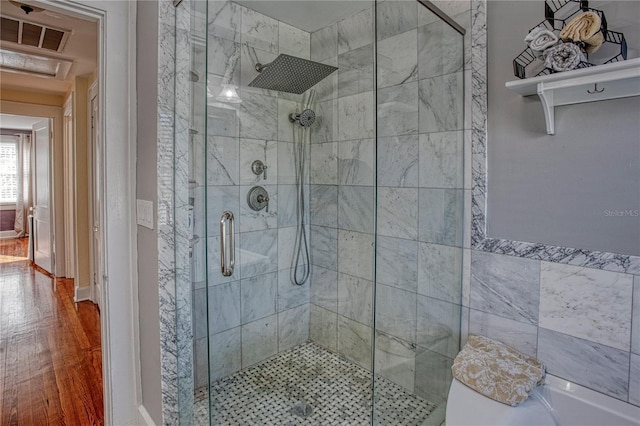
column 259, row 168
column 263, row 199
column 258, row 199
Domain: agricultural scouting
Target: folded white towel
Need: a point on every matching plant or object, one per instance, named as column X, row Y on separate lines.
column 540, row 39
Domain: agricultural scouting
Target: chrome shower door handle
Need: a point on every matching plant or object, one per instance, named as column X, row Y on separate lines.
column 227, row 270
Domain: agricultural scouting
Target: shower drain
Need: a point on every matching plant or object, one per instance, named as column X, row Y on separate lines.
column 302, row 409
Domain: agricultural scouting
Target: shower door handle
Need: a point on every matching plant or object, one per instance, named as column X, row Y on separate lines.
column 227, row 217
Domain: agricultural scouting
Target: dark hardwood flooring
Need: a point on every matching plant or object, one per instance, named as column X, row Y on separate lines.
column 50, row 355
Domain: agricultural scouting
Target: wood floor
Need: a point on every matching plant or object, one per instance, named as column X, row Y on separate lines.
column 50, row 356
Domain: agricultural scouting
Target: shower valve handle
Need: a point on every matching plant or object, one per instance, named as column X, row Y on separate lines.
column 258, row 199
column 259, row 168
column 264, row 199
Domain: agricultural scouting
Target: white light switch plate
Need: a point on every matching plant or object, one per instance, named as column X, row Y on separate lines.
column 144, row 213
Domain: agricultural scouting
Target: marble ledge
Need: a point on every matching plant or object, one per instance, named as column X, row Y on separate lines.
column 567, row 255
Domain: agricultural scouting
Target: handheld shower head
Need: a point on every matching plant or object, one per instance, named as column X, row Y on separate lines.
column 305, row 118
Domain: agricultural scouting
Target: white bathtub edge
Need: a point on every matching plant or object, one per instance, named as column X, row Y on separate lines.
column 595, row 398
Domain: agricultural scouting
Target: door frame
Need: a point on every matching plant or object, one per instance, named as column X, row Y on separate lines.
column 56, row 183
column 117, row 96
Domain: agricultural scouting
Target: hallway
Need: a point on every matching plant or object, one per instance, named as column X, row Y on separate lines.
column 50, row 354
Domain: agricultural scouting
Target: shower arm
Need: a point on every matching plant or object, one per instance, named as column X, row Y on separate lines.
column 260, row 67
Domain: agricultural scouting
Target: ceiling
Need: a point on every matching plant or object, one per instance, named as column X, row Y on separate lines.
column 307, row 15
column 81, row 49
column 17, row 122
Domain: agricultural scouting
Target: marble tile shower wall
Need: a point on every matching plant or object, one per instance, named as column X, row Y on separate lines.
column 420, row 177
column 342, row 189
column 256, row 312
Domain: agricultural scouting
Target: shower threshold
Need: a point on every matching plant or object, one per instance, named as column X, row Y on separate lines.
column 308, row 385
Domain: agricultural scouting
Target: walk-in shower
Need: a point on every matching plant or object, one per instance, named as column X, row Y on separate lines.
column 340, row 159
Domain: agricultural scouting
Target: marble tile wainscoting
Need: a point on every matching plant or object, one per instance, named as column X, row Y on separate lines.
column 578, row 311
column 583, row 323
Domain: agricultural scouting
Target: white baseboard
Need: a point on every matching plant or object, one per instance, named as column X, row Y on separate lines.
column 82, row 293
column 8, row 234
column 144, row 418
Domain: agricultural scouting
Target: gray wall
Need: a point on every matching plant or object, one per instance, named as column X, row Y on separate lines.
column 149, row 319
column 557, row 189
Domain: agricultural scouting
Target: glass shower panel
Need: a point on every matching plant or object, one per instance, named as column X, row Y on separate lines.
column 420, row 95
column 189, row 199
column 289, row 330
column 197, row 185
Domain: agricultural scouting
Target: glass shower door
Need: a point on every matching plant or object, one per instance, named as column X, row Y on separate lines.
column 272, row 320
column 420, row 193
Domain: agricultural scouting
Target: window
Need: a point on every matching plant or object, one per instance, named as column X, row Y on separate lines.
column 8, row 171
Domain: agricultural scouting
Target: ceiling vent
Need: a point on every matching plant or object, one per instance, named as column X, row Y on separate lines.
column 25, row 33
column 38, row 65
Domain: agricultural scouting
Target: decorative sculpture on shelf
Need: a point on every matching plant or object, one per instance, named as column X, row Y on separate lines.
column 570, row 33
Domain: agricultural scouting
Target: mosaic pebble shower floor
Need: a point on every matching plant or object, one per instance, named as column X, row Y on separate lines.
column 338, row 392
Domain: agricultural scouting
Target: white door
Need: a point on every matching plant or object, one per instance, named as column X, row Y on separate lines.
column 43, row 237
column 69, row 194
column 96, row 208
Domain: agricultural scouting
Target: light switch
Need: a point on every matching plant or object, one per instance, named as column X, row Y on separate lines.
column 144, row 213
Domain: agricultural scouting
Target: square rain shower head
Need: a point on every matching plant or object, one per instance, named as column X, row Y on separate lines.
column 290, row 74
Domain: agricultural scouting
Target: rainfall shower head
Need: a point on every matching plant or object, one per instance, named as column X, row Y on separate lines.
column 290, row 74
column 305, row 118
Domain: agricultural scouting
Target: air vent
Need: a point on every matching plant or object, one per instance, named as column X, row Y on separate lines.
column 38, row 65
column 31, row 34
column 9, row 30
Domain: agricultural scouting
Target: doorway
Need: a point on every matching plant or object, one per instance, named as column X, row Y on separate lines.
column 59, row 165
column 115, row 40
column 15, row 170
column 26, row 185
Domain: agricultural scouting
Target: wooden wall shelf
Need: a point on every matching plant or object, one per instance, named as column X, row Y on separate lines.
column 598, row 83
